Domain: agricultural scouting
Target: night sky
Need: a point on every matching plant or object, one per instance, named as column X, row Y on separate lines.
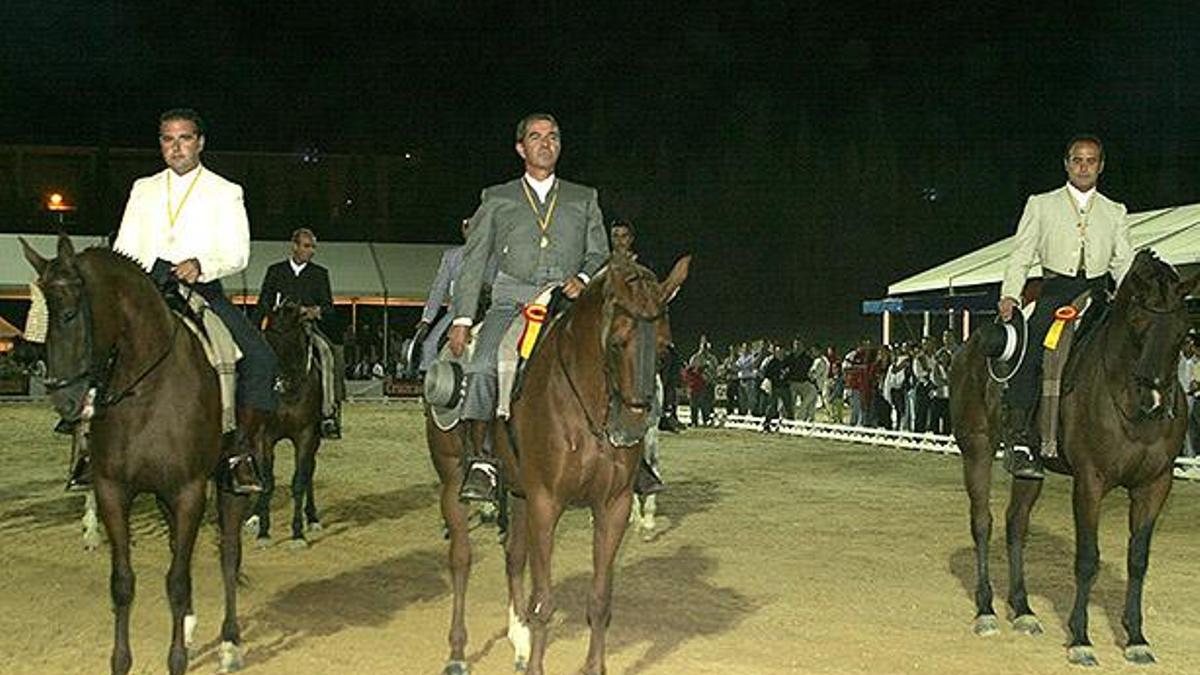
column 807, row 153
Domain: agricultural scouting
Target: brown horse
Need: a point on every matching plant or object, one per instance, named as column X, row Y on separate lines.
column 156, row 427
column 297, row 419
column 1122, row 421
column 574, row 438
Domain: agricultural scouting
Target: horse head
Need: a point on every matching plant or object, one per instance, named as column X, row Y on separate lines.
column 635, row 333
column 70, row 368
column 287, row 331
column 1151, row 301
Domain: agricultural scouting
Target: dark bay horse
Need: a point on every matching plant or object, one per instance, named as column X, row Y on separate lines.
column 297, row 419
column 577, row 429
column 1121, row 424
column 156, row 429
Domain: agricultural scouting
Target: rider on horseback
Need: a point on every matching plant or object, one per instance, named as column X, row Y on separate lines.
column 187, row 225
column 1080, row 238
column 542, row 231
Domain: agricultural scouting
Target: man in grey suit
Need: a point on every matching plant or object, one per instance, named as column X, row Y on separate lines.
column 441, row 292
column 541, row 231
column 1080, row 238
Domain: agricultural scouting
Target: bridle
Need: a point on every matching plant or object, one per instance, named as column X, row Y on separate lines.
column 645, row 336
column 1163, row 403
column 69, row 393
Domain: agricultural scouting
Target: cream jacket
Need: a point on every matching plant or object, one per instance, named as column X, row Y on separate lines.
column 1049, row 235
column 211, row 226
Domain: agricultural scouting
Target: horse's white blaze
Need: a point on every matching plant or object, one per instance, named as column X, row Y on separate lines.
column 519, row 636
column 189, row 630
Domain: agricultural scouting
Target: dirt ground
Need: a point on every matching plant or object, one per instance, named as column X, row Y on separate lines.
column 775, row 555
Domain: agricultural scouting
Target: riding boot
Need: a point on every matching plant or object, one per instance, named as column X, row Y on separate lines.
column 1022, row 451
column 241, row 475
column 481, row 480
column 81, row 469
column 647, row 482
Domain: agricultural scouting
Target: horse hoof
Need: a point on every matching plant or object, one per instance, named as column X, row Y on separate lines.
column 1139, row 654
column 297, row 544
column 456, row 668
column 1027, row 624
column 262, row 542
column 986, row 624
column 520, row 666
column 315, row 527
column 1082, row 655
column 90, row 544
column 251, row 524
column 230, row 658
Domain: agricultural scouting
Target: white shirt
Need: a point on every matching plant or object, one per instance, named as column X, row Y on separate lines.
column 541, row 187
column 297, row 268
column 1081, row 198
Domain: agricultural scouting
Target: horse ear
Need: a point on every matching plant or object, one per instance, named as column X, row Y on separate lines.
column 668, row 288
column 37, row 261
column 66, row 250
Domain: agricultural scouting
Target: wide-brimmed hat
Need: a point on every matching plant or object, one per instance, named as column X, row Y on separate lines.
column 1005, row 343
column 446, row 385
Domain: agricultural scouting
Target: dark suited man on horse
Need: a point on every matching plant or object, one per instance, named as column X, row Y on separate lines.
column 1080, row 238
column 306, row 283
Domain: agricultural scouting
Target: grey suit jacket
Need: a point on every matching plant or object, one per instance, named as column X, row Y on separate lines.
column 505, row 228
column 1048, row 234
column 443, row 284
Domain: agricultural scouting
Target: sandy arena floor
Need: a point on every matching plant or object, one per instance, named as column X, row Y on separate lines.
column 775, row 555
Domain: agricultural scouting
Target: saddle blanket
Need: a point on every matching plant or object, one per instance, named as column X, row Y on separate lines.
column 222, row 353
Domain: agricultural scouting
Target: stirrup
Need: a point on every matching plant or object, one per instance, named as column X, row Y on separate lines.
column 81, row 476
column 330, row 428
column 1021, row 462
column 241, row 475
column 480, row 481
column 647, row 481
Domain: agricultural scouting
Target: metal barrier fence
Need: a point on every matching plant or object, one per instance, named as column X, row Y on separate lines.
column 1187, row 468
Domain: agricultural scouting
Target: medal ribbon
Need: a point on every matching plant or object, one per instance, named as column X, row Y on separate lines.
column 543, row 223
column 173, row 216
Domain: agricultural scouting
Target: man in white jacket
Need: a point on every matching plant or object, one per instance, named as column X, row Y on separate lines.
column 1080, row 238
column 187, row 226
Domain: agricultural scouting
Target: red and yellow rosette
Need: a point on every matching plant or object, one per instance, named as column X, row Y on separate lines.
column 1062, row 316
column 535, row 316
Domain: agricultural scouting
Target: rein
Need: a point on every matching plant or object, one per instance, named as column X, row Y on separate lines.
column 645, row 332
column 1134, row 418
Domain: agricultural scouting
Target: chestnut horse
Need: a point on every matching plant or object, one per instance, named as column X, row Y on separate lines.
column 156, row 428
column 574, row 438
column 297, row 419
column 1122, row 422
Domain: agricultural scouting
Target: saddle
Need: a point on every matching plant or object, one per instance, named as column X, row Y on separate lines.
column 1074, row 325
column 220, row 348
column 445, row 382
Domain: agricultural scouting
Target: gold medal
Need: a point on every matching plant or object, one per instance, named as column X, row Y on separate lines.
column 545, row 242
column 543, row 223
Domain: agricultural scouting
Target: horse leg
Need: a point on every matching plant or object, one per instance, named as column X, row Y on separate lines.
column 262, row 505
column 91, row 523
column 1024, row 495
column 541, row 517
column 230, row 509
column 515, row 556
column 114, row 512
column 610, row 518
column 300, row 482
column 310, row 504
column 1085, row 499
column 1145, row 502
column 185, row 515
column 455, row 513
column 977, row 475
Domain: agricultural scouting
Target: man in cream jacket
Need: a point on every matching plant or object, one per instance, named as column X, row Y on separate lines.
column 1080, row 238
column 187, row 225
